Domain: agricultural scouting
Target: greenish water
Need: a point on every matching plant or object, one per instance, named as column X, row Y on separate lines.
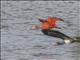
column 78, row 39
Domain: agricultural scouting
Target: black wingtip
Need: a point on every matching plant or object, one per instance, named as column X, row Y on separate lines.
column 41, row 20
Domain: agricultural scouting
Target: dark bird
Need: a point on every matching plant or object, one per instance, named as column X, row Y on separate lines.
column 46, row 28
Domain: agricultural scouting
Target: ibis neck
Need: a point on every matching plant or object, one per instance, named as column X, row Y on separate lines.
column 45, row 31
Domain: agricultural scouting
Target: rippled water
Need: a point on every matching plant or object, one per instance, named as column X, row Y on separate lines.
column 19, row 42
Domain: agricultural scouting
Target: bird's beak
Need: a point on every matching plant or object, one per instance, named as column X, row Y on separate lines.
column 36, row 27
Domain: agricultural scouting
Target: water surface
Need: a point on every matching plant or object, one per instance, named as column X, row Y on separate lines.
column 19, row 42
